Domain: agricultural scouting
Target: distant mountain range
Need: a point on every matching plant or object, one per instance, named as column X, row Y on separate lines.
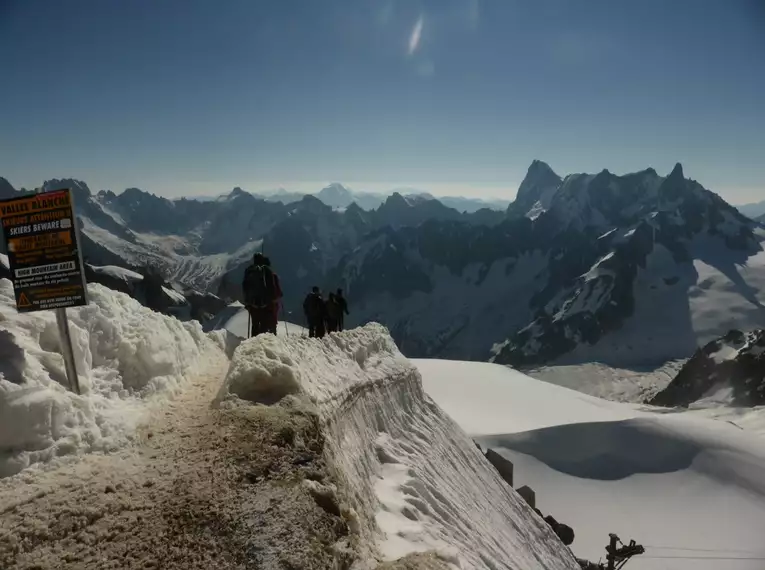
column 755, row 211
column 622, row 269
column 338, row 196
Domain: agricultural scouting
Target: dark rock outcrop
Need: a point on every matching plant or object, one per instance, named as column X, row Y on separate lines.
column 735, row 361
column 528, row 495
column 503, row 466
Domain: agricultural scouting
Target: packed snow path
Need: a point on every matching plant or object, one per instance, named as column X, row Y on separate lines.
column 202, row 489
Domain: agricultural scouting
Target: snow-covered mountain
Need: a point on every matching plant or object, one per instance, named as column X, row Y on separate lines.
column 196, row 243
column 729, row 370
column 623, row 269
column 191, row 242
column 672, row 267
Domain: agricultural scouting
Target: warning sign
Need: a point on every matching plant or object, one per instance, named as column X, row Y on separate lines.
column 43, row 253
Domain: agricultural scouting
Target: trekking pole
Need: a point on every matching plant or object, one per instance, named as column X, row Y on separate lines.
column 249, row 316
column 286, row 328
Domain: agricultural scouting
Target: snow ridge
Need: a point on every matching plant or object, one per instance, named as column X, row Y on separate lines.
column 415, row 482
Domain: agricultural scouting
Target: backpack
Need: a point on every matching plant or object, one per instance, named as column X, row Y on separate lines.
column 313, row 306
column 259, row 287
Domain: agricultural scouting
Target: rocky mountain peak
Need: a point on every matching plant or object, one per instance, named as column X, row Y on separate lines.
column 312, row 204
column 396, row 200
column 536, row 190
column 677, row 172
column 106, row 196
column 6, row 189
column 240, row 197
column 80, row 189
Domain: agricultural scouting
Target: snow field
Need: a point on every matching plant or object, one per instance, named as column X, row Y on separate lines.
column 118, row 273
column 609, row 382
column 126, row 356
column 692, row 490
column 411, row 480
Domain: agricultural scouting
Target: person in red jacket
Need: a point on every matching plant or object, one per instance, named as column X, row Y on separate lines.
column 274, row 321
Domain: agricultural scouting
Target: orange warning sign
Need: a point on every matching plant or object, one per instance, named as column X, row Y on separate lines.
column 35, row 203
column 44, row 258
column 41, row 241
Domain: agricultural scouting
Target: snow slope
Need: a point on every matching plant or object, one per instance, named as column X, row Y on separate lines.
column 414, row 480
column 172, row 253
column 121, row 273
column 688, row 488
column 127, row 356
column 4, row 261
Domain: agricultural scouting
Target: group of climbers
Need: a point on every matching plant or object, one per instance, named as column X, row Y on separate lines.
column 324, row 316
column 262, row 299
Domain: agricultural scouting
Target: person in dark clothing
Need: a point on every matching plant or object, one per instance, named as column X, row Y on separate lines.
column 315, row 310
column 342, row 309
column 274, row 316
column 260, row 293
column 333, row 313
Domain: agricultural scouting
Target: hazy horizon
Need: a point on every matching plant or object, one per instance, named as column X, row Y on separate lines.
column 451, row 97
column 488, row 194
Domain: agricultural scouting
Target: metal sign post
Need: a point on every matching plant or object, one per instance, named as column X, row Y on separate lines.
column 67, row 350
column 45, row 261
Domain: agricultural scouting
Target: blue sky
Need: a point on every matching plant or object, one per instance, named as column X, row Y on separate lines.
column 183, row 97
